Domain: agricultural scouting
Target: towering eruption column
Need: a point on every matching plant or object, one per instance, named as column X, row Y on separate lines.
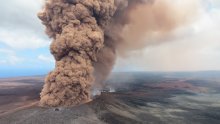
column 87, row 34
column 77, row 30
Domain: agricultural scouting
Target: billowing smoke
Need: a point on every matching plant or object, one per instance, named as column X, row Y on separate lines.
column 89, row 34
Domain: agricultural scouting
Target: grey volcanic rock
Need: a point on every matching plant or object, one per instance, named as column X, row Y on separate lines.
column 140, row 98
column 36, row 115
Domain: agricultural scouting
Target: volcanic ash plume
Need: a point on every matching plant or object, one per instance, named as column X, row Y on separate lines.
column 77, row 29
column 87, row 34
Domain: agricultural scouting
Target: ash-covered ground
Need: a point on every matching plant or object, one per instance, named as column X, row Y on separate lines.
column 139, row 98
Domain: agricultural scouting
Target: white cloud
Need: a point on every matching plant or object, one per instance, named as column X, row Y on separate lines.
column 215, row 3
column 3, row 61
column 9, row 57
column 13, row 59
column 6, row 51
column 22, row 39
column 19, row 26
column 48, row 59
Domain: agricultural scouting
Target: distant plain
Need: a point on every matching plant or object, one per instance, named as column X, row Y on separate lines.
column 139, row 98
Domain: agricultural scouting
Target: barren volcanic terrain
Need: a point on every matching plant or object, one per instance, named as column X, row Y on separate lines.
column 138, row 98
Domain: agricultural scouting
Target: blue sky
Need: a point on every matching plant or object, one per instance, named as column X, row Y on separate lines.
column 24, row 47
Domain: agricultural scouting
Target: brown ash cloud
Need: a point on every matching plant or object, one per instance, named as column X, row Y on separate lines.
column 88, row 35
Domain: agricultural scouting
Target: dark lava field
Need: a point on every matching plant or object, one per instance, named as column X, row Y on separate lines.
column 138, row 98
